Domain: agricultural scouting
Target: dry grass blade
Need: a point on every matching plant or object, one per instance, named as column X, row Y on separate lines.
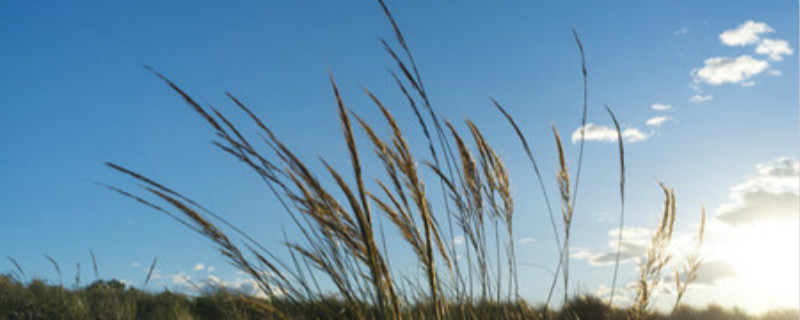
column 417, row 80
column 77, row 275
column 21, row 272
column 175, row 194
column 657, row 258
column 382, row 285
column 150, row 270
column 539, row 178
column 621, row 149
column 55, row 266
column 691, row 267
column 416, row 83
column 566, row 209
column 210, row 231
column 469, row 174
column 188, row 99
column 149, row 204
column 583, row 116
column 496, row 184
column 94, row 265
column 406, row 164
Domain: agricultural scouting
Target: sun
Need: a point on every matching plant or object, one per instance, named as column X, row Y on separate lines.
column 767, row 258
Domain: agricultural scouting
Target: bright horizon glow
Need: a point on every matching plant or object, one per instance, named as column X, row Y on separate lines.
column 768, row 259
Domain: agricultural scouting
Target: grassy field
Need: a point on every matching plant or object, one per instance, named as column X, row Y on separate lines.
column 342, row 246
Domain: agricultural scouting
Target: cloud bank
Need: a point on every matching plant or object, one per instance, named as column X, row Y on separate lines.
column 771, row 195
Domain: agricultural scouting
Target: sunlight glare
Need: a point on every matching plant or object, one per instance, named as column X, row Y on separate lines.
column 768, row 259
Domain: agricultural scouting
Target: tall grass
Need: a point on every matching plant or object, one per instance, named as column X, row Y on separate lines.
column 341, row 241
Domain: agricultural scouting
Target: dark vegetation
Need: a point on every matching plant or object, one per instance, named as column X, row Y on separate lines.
column 114, row 300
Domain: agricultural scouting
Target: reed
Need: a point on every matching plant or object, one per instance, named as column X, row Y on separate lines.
column 342, row 236
column 656, row 260
column 690, row 269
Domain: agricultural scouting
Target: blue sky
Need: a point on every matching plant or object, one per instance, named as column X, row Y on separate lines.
column 74, row 95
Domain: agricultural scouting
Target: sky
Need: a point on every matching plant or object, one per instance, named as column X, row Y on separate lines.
column 705, row 92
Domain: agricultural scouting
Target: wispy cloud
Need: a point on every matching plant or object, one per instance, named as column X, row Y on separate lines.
column 774, row 48
column 199, row 267
column 601, row 133
column 661, row 106
column 722, row 70
column 682, row 31
column 700, row 98
column 746, row 34
column 526, row 240
column 657, row 121
column 772, row 194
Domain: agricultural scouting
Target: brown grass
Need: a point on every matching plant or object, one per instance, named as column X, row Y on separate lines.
column 343, row 241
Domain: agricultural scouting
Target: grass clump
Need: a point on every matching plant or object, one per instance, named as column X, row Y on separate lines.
column 343, row 244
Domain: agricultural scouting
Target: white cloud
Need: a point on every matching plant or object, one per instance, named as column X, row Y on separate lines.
column 458, row 240
column 180, row 279
column 774, row 48
column 739, row 70
column 243, row 285
column 661, row 106
column 526, row 240
column 699, row 98
column 657, row 121
column 746, row 34
column 199, row 267
column 773, row 194
column 607, row 134
column 635, row 241
column 136, row 264
column 773, row 72
column 682, row 31
column 721, row 70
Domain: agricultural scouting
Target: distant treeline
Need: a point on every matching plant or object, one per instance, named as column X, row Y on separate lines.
column 115, row 300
